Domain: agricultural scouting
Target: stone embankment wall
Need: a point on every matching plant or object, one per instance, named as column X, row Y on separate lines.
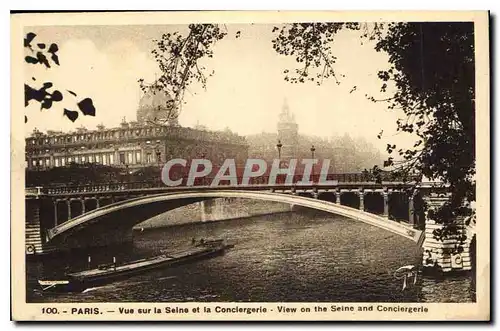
column 215, row 210
column 34, row 235
column 442, row 254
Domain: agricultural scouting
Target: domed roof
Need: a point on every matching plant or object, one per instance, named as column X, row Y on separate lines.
column 155, row 105
column 154, row 99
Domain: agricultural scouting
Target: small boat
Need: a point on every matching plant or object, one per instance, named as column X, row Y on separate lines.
column 105, row 273
column 212, row 242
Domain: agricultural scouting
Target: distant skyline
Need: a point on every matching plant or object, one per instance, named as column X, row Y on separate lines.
column 245, row 94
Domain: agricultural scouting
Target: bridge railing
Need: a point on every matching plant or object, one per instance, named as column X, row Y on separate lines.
column 104, row 187
column 199, row 182
column 37, row 190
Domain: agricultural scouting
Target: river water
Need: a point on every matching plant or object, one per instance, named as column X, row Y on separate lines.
column 288, row 257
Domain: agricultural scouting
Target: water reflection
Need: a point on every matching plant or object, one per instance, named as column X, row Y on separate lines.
column 301, row 256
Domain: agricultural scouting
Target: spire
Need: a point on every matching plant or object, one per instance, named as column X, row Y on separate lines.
column 285, row 108
column 285, row 115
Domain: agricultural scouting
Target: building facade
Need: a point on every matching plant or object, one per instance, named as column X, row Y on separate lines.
column 345, row 153
column 135, row 144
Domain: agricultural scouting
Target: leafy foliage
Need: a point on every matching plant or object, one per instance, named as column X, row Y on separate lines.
column 178, row 58
column 40, row 54
column 431, row 67
column 310, row 44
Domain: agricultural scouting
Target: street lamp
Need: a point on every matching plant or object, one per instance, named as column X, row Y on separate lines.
column 313, row 149
column 279, row 145
column 158, row 155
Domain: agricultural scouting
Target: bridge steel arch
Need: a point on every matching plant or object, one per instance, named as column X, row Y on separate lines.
column 134, row 211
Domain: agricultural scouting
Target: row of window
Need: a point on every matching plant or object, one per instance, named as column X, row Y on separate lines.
column 70, row 149
column 131, row 157
column 119, row 134
column 97, row 136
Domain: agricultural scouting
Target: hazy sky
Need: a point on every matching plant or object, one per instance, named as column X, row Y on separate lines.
column 246, row 93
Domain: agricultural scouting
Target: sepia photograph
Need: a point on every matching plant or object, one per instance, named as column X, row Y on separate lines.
column 243, row 161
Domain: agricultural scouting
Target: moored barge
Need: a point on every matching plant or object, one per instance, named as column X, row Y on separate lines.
column 78, row 281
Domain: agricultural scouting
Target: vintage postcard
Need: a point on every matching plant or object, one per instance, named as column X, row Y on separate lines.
column 184, row 166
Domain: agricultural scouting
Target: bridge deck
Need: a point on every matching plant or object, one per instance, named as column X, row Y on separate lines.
column 154, row 188
column 93, row 216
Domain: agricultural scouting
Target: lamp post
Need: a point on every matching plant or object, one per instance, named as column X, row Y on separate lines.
column 279, row 145
column 313, row 149
column 158, row 154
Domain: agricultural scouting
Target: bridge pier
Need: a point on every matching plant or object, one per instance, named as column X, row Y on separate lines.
column 361, row 194
column 338, row 193
column 55, row 201
column 68, row 204
column 385, row 194
column 442, row 255
column 411, row 211
column 37, row 215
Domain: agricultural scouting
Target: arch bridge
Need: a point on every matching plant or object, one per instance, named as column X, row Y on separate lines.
column 105, row 213
column 67, row 217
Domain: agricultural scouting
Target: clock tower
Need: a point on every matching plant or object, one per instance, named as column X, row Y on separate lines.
column 288, row 133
